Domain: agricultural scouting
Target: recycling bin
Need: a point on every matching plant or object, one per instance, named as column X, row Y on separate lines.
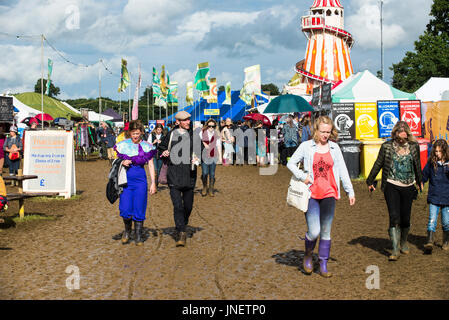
column 423, row 151
column 370, row 151
column 351, row 154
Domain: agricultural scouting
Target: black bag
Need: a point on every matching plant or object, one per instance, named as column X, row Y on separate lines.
column 111, row 192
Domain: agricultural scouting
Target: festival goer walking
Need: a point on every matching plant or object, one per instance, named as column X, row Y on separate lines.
column 12, row 148
column 290, row 134
column 135, row 153
column 324, row 167
column 436, row 172
column 210, row 138
column 107, row 140
column 399, row 159
column 181, row 173
column 155, row 138
column 228, row 141
column 306, row 133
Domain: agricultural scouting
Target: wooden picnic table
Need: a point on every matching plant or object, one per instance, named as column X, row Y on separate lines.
column 21, row 196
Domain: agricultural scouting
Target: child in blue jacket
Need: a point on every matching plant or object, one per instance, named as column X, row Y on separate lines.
column 436, row 172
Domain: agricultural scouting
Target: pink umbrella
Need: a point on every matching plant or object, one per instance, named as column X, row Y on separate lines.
column 47, row 117
column 258, row 116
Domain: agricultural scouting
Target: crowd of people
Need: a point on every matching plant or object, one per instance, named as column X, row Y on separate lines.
column 314, row 146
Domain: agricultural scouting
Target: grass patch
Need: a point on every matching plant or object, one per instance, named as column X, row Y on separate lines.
column 49, row 199
column 32, row 217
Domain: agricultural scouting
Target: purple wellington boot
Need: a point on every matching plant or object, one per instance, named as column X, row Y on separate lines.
column 323, row 255
column 308, row 260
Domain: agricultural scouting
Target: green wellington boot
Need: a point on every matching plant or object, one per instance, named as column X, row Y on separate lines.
column 394, row 237
column 404, row 235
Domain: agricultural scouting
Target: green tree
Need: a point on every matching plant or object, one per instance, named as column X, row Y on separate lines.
column 221, row 88
column 431, row 55
column 54, row 91
column 272, row 88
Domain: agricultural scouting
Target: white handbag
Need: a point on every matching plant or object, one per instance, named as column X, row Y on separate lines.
column 298, row 194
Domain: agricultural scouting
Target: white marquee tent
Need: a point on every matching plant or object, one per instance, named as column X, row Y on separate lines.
column 436, row 89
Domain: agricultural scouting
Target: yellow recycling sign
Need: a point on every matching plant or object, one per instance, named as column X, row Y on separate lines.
column 366, row 121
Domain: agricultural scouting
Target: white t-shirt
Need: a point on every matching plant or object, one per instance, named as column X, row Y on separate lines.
column 150, row 138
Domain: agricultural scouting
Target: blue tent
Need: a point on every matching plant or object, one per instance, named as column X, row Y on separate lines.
column 235, row 113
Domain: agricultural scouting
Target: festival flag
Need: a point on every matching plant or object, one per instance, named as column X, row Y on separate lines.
column 189, row 94
column 245, row 95
column 202, row 77
column 50, row 70
column 172, row 99
column 164, row 88
column 213, row 91
column 124, row 77
column 135, row 110
column 228, row 94
column 156, row 84
column 251, row 85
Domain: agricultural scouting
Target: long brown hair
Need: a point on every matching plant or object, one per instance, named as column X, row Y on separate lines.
column 324, row 120
column 402, row 126
column 433, row 159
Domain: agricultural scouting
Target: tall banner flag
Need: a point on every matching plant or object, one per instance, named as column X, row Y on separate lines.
column 213, row 91
column 202, row 78
column 172, row 98
column 124, row 77
column 164, row 88
column 50, row 70
column 135, row 111
column 228, row 94
column 246, row 95
column 295, row 80
column 189, row 93
column 156, row 84
column 252, row 79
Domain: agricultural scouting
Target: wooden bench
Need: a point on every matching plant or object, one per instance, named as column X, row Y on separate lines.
column 21, row 196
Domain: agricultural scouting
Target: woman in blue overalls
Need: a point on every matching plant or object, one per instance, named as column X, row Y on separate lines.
column 135, row 153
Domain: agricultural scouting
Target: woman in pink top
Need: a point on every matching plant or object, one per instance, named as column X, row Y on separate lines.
column 324, row 167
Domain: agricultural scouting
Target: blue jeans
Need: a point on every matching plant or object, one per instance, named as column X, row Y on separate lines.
column 434, row 210
column 14, row 165
column 157, row 165
column 208, row 169
column 319, row 218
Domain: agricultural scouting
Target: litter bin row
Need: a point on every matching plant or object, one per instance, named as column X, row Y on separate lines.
column 360, row 160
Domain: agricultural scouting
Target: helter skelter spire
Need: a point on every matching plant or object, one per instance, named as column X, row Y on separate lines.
column 327, row 57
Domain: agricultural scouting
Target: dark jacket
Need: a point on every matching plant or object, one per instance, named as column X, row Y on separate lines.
column 385, row 160
column 153, row 137
column 109, row 140
column 179, row 175
column 438, row 184
column 115, row 186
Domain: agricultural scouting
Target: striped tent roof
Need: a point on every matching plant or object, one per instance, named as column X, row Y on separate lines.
column 327, row 3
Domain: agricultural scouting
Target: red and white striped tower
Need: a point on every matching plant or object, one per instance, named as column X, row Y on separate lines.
column 328, row 57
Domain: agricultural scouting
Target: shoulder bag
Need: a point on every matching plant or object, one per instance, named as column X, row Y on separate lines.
column 298, row 194
column 162, row 178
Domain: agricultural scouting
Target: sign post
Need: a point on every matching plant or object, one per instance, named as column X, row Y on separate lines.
column 49, row 155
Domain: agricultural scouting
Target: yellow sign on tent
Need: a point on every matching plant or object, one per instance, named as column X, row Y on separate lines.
column 211, row 112
column 366, row 121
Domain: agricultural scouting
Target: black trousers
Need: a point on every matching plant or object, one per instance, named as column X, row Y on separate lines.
column 399, row 203
column 182, row 199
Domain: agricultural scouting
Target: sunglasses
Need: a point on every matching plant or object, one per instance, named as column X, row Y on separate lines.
column 211, row 126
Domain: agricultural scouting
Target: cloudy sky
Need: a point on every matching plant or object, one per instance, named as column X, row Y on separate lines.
column 179, row 34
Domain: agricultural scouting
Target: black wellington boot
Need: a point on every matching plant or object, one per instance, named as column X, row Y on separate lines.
column 128, row 229
column 211, row 187
column 404, row 235
column 138, row 226
column 428, row 247
column 204, row 191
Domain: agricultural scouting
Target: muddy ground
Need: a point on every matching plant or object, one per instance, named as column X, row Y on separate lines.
column 243, row 244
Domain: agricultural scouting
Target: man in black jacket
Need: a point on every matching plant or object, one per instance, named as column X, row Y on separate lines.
column 181, row 172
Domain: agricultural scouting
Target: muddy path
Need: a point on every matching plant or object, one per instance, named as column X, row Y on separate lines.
column 242, row 244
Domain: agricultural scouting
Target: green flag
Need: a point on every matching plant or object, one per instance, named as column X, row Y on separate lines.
column 189, row 94
column 156, row 84
column 50, row 70
column 124, row 77
column 172, row 98
column 228, row 94
column 202, row 77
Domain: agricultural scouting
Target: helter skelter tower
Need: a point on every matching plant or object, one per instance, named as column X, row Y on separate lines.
column 328, row 57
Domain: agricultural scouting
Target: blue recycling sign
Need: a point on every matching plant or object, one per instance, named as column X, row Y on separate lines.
column 151, row 125
column 388, row 116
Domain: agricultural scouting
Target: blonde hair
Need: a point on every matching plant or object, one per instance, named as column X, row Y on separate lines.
column 324, row 120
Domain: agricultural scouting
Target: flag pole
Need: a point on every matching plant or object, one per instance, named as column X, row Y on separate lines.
column 42, row 81
column 99, row 91
column 129, row 97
